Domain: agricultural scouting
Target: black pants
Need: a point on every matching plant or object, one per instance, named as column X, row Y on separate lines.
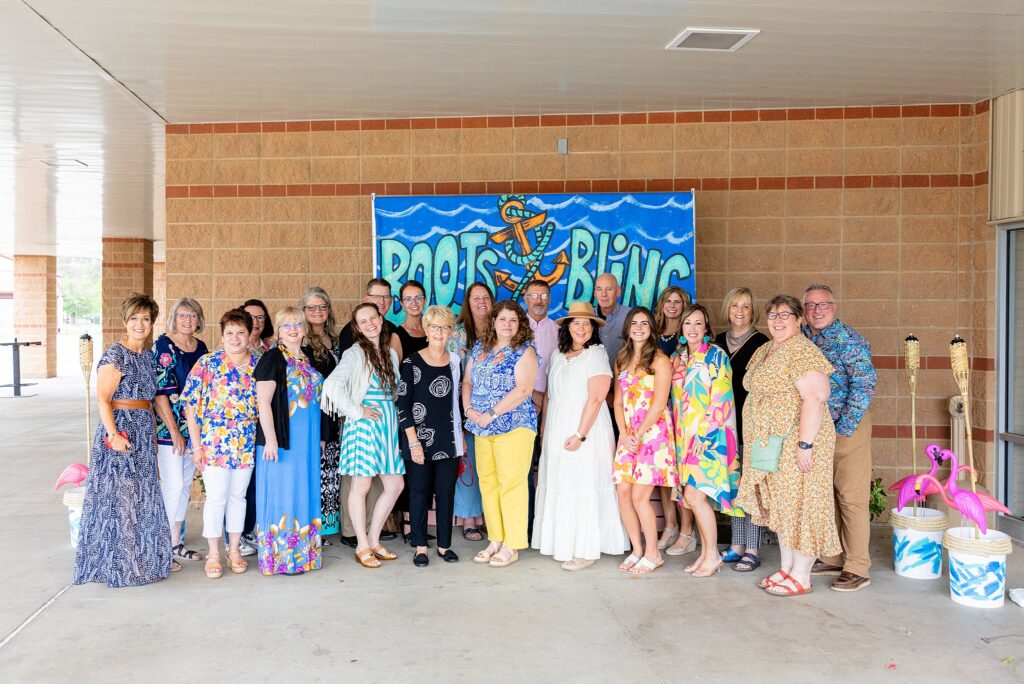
column 433, row 480
column 250, row 503
column 531, row 485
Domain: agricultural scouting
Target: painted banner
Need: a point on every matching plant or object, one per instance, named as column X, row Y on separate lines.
column 646, row 240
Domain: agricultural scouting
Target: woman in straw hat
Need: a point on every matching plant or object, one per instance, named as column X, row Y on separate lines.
column 577, row 512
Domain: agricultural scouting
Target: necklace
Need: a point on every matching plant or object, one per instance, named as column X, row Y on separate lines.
column 734, row 343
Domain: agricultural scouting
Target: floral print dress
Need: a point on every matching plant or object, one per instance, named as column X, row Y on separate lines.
column 654, row 463
column 704, row 420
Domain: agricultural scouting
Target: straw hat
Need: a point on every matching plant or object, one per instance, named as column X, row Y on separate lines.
column 581, row 310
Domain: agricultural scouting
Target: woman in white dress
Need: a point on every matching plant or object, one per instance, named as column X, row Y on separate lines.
column 577, row 515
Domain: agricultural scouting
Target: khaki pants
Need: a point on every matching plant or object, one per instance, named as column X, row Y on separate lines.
column 852, row 489
column 376, row 489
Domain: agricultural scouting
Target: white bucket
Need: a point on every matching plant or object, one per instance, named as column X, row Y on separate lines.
column 977, row 578
column 73, row 499
column 917, row 553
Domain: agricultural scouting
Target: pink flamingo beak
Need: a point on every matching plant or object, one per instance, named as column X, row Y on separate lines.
column 74, row 474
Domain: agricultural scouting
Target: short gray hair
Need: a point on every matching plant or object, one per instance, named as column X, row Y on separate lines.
column 188, row 303
column 818, row 286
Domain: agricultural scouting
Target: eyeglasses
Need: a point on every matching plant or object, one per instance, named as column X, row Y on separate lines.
column 294, row 325
column 781, row 315
column 185, row 315
column 416, row 299
column 820, row 306
column 538, row 296
column 317, row 307
column 381, row 298
column 439, row 328
column 259, row 317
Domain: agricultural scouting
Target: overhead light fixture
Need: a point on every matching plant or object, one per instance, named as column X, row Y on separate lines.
column 63, row 163
column 712, row 39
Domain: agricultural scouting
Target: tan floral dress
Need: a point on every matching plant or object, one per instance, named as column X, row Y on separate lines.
column 799, row 507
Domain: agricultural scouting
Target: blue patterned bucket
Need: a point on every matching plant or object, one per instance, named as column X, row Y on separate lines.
column 917, row 542
column 977, row 566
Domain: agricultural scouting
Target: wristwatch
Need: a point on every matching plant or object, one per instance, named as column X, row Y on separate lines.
column 582, row 438
column 492, row 414
column 805, row 446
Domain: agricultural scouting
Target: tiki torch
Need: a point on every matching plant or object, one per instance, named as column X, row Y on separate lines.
column 958, row 359
column 85, row 359
column 912, row 360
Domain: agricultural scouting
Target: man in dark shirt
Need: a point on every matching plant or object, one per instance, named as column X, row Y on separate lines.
column 378, row 291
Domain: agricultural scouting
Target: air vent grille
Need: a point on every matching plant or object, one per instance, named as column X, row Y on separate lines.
column 712, row 39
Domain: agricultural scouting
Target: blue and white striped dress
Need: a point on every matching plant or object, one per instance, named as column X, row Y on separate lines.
column 370, row 447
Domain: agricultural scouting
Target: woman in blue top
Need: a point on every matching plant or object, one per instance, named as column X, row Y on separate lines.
column 175, row 352
column 497, row 391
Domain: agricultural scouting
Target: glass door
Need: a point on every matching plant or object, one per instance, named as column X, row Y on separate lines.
column 1010, row 449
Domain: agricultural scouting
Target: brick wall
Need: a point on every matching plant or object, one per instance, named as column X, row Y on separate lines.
column 127, row 268
column 887, row 204
column 35, row 313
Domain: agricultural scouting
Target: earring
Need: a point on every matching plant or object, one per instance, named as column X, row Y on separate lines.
column 707, row 338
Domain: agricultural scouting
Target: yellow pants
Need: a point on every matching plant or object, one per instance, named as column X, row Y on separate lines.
column 503, row 465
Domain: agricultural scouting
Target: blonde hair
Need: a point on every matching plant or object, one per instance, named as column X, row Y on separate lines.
column 286, row 314
column 731, row 298
column 439, row 315
column 188, row 303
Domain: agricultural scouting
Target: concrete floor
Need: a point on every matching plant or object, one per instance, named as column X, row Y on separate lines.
column 452, row 623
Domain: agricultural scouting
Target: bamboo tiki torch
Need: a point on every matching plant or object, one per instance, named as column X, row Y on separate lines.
column 912, row 360
column 958, row 359
column 85, row 359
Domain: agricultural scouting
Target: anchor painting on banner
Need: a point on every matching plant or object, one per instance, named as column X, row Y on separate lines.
column 646, row 240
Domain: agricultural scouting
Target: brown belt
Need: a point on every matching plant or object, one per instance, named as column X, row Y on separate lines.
column 131, row 405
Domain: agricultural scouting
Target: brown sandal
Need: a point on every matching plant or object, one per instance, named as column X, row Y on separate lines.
column 382, row 553
column 213, row 567
column 367, row 559
column 236, row 563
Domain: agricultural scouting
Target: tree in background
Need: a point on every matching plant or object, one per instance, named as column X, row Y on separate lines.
column 80, row 289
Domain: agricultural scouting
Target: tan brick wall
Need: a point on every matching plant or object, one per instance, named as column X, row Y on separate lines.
column 160, row 295
column 886, row 204
column 127, row 268
column 36, row 318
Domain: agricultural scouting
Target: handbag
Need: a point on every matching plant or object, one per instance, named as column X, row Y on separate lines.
column 765, row 456
column 464, row 466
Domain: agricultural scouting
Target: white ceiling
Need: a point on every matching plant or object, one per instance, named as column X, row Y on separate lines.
column 249, row 60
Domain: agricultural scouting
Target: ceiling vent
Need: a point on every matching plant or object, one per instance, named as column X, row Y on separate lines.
column 712, row 39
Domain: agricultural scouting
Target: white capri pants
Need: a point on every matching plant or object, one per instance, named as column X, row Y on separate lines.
column 225, row 498
column 176, row 474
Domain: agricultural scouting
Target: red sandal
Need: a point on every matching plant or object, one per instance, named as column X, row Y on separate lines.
column 779, row 589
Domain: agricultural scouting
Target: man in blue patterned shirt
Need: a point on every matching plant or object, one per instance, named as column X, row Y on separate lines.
column 853, row 384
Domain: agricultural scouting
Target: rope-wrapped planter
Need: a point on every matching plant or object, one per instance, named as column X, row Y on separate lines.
column 917, row 542
column 977, row 566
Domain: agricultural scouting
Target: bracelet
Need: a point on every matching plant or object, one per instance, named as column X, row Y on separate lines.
column 414, row 445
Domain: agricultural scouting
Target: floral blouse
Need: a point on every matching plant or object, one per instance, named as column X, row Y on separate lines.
column 172, row 368
column 224, row 399
column 493, row 376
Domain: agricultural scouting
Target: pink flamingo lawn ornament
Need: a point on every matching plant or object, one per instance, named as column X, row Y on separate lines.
column 74, row 474
column 971, row 505
column 907, row 486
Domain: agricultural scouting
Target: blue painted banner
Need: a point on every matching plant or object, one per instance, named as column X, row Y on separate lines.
column 447, row 242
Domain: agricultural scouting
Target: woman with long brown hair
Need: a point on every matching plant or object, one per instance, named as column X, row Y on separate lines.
column 497, row 392
column 645, row 457
column 362, row 389
column 474, row 321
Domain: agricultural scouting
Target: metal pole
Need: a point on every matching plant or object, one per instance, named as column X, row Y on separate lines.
column 16, row 358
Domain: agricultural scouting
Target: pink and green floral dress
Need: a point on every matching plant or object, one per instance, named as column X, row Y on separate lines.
column 704, row 419
column 654, row 463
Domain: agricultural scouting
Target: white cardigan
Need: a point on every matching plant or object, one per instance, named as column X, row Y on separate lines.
column 346, row 387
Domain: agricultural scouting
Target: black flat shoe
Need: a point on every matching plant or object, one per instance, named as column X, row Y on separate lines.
column 449, row 556
column 350, row 542
column 420, row 560
column 385, row 536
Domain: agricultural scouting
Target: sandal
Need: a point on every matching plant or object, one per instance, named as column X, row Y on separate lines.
column 498, row 561
column 681, row 550
column 779, row 589
column 367, row 559
column 731, row 556
column 175, row 566
column 577, row 564
column 382, row 553
column 472, row 534
column 748, row 562
column 669, row 535
column 485, row 555
column 213, row 567
column 702, row 572
column 186, row 554
column 630, row 561
column 766, row 582
column 646, row 566
column 237, row 564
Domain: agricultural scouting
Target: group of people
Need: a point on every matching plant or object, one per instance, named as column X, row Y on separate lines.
column 565, row 435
